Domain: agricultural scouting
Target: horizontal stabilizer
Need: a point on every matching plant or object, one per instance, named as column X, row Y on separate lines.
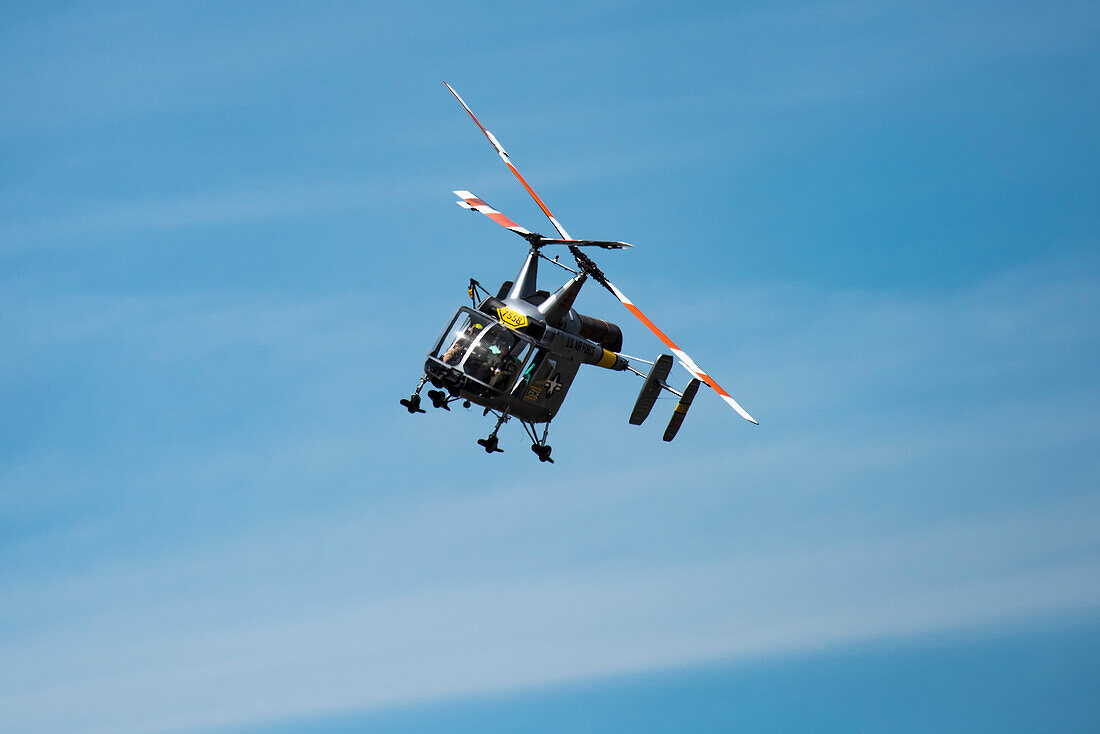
column 681, row 410
column 651, row 388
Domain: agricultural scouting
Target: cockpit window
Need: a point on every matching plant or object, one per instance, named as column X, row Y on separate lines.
column 458, row 338
column 483, row 349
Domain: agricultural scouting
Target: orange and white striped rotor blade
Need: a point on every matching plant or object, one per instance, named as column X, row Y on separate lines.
column 466, row 200
column 507, row 161
column 681, row 356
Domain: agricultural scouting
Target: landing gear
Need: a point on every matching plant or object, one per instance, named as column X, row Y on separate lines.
column 539, row 446
column 490, row 443
column 412, row 403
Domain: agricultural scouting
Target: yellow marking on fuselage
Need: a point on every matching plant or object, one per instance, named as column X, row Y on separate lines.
column 511, row 319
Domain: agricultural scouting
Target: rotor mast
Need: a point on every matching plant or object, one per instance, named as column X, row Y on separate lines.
column 525, row 283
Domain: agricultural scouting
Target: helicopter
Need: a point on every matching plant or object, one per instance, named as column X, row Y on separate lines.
column 516, row 354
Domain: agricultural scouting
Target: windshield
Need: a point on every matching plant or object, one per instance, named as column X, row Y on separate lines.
column 464, row 329
column 483, row 349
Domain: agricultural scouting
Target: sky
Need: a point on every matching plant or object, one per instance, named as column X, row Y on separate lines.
column 228, row 239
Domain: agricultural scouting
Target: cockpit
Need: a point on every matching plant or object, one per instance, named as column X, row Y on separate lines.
column 483, row 349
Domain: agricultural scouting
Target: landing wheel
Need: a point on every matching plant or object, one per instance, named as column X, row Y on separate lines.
column 412, row 404
column 490, row 444
column 438, row 398
column 542, row 451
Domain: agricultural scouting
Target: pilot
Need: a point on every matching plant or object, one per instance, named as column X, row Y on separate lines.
column 454, row 353
column 502, row 374
column 502, row 366
column 458, row 347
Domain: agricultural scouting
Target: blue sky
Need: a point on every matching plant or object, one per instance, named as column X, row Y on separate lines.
column 227, row 239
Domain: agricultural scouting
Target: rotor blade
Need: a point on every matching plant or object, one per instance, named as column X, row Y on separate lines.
column 504, row 157
column 689, row 364
column 587, row 243
column 469, row 201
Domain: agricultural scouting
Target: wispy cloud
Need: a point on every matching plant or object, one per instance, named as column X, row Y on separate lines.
column 497, row 636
